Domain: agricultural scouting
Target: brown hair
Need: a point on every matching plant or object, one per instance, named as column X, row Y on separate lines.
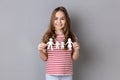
column 50, row 33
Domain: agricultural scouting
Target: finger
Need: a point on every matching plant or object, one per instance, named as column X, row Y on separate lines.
column 75, row 45
column 40, row 47
column 44, row 50
column 43, row 44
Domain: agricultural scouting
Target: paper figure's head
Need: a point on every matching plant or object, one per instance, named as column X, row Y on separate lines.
column 50, row 39
column 69, row 39
column 62, row 42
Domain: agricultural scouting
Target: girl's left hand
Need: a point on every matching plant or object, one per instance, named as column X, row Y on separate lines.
column 76, row 46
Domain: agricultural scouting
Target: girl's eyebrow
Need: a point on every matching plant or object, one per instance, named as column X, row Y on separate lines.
column 63, row 17
column 60, row 17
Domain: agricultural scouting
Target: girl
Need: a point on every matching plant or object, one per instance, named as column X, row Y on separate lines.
column 59, row 61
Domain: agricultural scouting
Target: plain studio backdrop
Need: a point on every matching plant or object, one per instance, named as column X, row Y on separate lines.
column 95, row 22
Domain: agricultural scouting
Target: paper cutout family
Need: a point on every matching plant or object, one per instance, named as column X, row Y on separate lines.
column 57, row 44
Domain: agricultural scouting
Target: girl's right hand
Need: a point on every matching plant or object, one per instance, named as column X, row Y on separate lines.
column 42, row 47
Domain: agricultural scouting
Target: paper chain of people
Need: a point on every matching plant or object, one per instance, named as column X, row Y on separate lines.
column 57, row 44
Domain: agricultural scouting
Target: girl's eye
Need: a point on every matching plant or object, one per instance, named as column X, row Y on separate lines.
column 62, row 18
column 56, row 18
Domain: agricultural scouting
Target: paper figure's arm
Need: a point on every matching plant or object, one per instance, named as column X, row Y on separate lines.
column 66, row 43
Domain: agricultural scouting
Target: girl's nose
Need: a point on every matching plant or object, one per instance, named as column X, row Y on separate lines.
column 59, row 20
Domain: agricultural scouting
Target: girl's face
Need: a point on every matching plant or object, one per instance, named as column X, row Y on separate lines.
column 59, row 21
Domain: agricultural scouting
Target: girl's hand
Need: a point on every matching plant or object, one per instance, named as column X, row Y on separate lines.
column 76, row 52
column 42, row 47
column 76, row 46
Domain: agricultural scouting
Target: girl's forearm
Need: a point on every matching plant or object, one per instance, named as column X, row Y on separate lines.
column 43, row 56
column 76, row 54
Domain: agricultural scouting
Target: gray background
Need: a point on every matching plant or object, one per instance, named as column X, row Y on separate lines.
column 95, row 22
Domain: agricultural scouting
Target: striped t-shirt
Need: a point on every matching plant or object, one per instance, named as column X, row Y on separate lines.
column 59, row 60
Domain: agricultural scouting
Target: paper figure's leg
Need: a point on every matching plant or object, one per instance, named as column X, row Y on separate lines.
column 51, row 48
column 48, row 47
column 57, row 47
column 62, row 47
column 70, row 48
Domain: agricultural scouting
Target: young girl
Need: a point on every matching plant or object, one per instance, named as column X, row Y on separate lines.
column 59, row 60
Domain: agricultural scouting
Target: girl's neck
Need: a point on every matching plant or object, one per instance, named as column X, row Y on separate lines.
column 59, row 32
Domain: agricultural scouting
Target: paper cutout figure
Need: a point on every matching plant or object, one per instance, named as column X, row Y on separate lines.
column 50, row 43
column 69, row 42
column 62, row 45
column 57, row 44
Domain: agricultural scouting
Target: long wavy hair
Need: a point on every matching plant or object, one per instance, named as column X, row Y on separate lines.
column 50, row 33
